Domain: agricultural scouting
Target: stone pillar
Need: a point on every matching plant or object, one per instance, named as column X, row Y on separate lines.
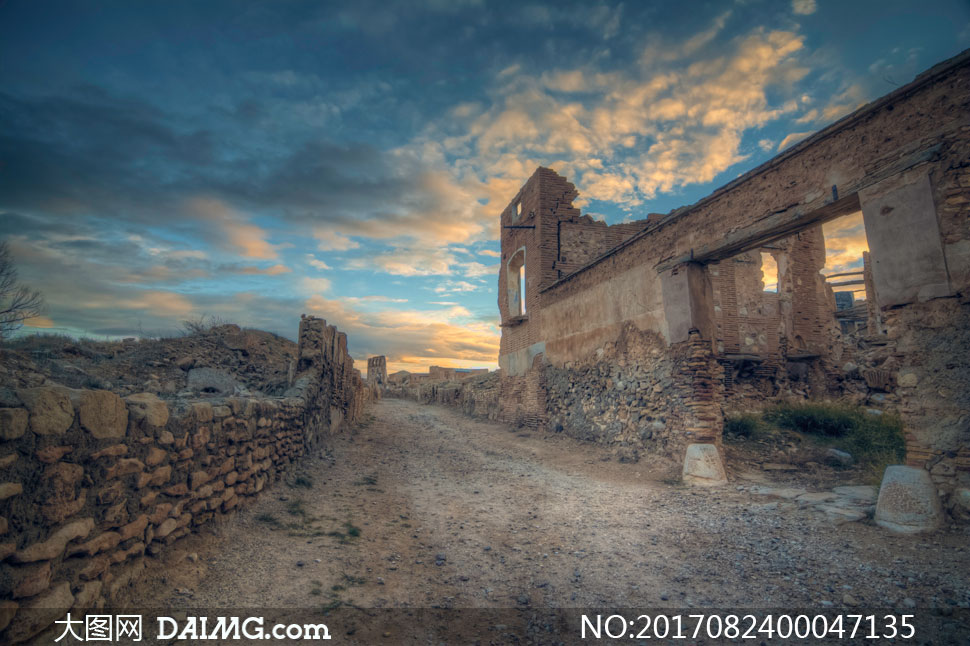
column 688, row 302
column 698, row 383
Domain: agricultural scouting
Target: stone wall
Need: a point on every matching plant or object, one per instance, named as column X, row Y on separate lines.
column 93, row 484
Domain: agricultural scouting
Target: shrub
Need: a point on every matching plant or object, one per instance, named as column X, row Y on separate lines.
column 873, row 440
column 744, row 425
column 831, row 420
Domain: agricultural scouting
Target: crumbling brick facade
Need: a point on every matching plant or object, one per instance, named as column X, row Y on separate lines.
column 640, row 334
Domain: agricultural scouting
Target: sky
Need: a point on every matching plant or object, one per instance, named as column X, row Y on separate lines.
column 252, row 161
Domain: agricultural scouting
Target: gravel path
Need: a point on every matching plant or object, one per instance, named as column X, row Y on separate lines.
column 423, row 507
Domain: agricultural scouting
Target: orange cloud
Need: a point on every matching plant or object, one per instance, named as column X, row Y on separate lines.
column 39, row 322
column 248, row 239
column 845, row 241
column 275, row 270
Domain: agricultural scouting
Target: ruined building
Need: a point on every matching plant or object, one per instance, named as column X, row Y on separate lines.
column 644, row 334
column 377, row 371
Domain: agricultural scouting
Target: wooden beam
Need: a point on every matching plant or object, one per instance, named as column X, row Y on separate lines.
column 848, row 273
column 847, row 283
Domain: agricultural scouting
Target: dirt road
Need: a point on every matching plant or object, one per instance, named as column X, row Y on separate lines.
column 423, row 507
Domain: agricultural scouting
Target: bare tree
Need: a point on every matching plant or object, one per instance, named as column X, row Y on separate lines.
column 17, row 302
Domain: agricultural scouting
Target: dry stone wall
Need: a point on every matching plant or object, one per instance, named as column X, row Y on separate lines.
column 93, row 484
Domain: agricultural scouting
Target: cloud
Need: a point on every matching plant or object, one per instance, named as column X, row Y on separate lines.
column 275, row 270
column 317, row 264
column 845, row 241
column 489, row 252
column 803, row 7
column 330, row 240
column 165, row 303
column 476, row 269
column 316, row 285
column 373, row 299
column 41, row 322
column 408, row 261
column 792, row 138
column 625, row 135
column 455, row 286
column 249, row 240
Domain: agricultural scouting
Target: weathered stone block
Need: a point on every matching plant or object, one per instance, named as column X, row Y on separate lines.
column 907, row 501
column 113, row 451
column 156, row 478
column 54, row 546
column 103, row 414
column 202, row 411
column 13, row 423
column 123, row 555
column 95, row 568
column 10, row 489
column 134, row 528
column 51, row 411
column 180, row 489
column 702, row 466
column 87, row 596
column 32, row 580
column 110, row 493
column 155, row 456
column 166, row 527
column 116, row 515
column 148, row 410
column 7, row 611
column 160, row 513
column 59, row 509
column 51, row 454
column 100, row 543
column 199, row 478
column 124, row 467
column 39, row 613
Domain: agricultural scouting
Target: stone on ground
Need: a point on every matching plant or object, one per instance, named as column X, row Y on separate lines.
column 865, row 493
column 907, row 501
column 702, row 466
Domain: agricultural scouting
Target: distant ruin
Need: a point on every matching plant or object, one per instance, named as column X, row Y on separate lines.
column 644, row 335
column 377, row 371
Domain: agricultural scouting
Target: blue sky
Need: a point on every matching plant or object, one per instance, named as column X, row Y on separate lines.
column 255, row 161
